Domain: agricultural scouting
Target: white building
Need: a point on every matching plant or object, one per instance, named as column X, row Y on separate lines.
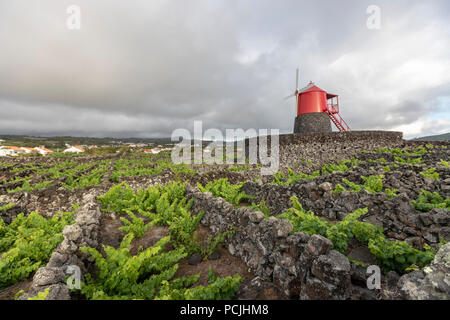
column 10, row 151
column 43, row 150
column 28, row 150
column 76, row 149
column 3, row 152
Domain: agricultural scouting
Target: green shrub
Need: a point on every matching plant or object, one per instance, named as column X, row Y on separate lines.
column 136, row 226
column 118, row 198
column 419, row 151
column 428, row 200
column 391, row 192
column 408, row 160
column 149, row 275
column 338, row 188
column 390, row 255
column 373, row 184
column 224, row 189
column 42, row 295
column 430, row 173
column 27, row 243
column 292, row 178
column 445, row 163
column 262, row 207
column 7, row 206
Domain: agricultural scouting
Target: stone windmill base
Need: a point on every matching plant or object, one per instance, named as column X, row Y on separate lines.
column 317, row 122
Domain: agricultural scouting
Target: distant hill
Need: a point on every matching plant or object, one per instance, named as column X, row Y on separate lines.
column 439, row 137
column 59, row 142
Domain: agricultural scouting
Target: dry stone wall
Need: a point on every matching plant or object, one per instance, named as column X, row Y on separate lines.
column 301, row 265
column 84, row 232
column 305, row 267
column 322, row 147
column 398, row 217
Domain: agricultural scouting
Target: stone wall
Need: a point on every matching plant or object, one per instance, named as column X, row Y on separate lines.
column 83, row 233
column 302, row 266
column 398, row 217
column 305, row 267
column 431, row 283
column 373, row 136
column 323, row 147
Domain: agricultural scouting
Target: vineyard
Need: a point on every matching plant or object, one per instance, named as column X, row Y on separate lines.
column 140, row 227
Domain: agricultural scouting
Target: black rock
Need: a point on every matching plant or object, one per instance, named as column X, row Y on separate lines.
column 392, row 278
column 214, row 256
column 195, row 259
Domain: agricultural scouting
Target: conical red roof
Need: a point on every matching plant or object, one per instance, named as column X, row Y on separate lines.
column 312, row 88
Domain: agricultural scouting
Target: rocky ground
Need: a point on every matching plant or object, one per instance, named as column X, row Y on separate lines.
column 276, row 263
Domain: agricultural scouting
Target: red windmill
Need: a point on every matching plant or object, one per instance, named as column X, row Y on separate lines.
column 315, row 109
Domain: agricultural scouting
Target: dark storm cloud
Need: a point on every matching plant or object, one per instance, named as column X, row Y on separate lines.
column 147, row 67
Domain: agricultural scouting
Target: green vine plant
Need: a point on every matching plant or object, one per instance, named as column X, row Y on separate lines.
column 445, row 163
column 419, row 151
column 140, row 166
column 262, row 207
column 136, row 225
column 118, row 198
column 338, row 188
column 149, row 275
column 211, row 275
column 373, row 184
column 164, row 206
column 427, row 200
column 412, row 161
column 430, row 173
column 292, row 178
column 24, row 187
column 27, row 243
column 224, row 189
column 7, row 207
column 213, row 242
column 390, row 255
column 42, row 295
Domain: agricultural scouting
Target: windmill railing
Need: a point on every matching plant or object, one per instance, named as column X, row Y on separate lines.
column 333, row 108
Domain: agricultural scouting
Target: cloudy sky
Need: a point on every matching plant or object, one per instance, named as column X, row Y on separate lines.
column 144, row 68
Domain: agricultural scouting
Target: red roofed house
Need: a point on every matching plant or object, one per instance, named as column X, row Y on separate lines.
column 28, row 150
column 76, row 149
column 10, row 150
column 43, row 150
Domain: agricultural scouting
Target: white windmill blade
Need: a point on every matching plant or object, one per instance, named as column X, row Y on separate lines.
column 296, row 82
column 289, row 96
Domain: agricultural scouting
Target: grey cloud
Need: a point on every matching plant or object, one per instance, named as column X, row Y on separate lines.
column 147, row 67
